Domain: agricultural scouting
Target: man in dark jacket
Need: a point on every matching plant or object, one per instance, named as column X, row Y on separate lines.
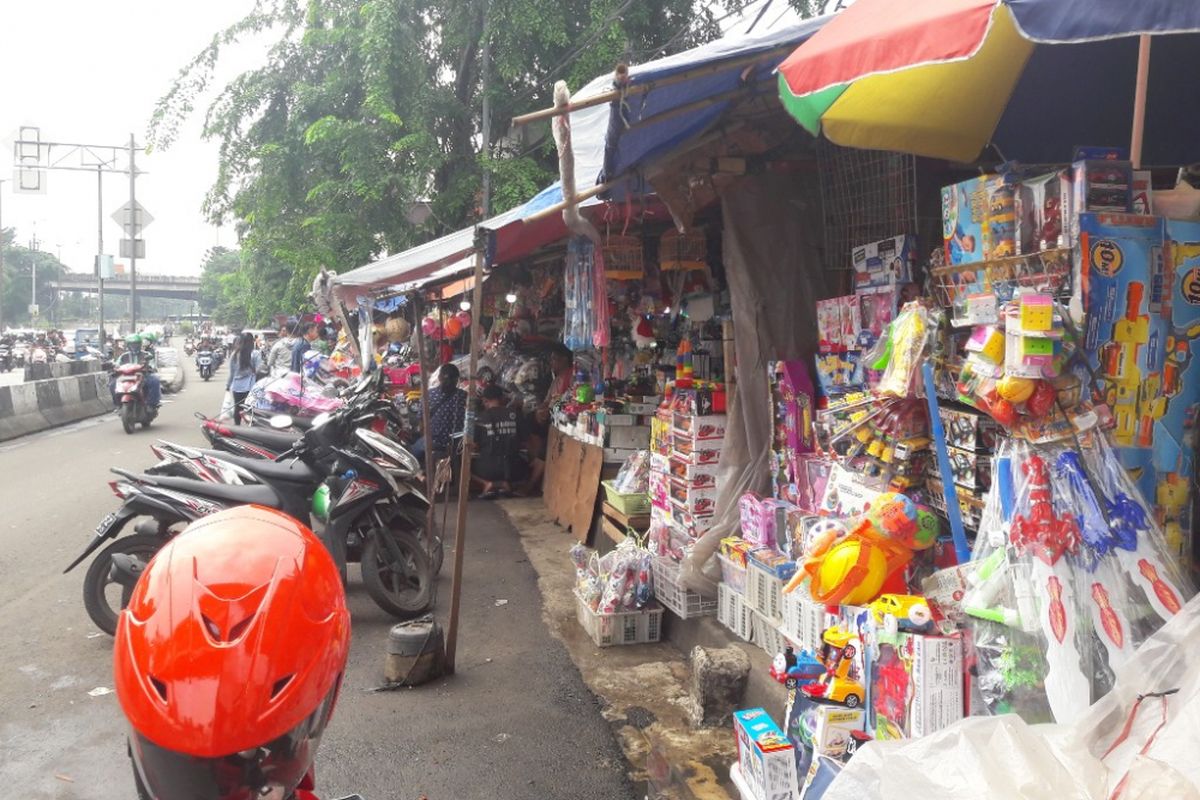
column 308, row 335
column 499, row 431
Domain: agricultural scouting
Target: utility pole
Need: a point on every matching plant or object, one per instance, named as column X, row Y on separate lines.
column 2, row 182
column 485, row 205
column 135, row 222
column 100, row 247
column 33, row 249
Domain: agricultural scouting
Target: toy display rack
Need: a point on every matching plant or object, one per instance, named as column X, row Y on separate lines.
column 1046, row 271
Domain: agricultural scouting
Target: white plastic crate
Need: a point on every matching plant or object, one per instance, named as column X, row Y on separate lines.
column 732, row 574
column 804, row 619
column 670, row 591
column 767, row 635
column 733, row 613
column 764, row 592
column 622, row 627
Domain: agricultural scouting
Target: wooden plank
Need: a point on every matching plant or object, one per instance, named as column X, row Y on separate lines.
column 640, row 522
column 613, row 531
column 587, row 491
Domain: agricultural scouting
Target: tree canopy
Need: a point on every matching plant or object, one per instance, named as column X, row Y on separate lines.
column 367, row 112
column 16, row 280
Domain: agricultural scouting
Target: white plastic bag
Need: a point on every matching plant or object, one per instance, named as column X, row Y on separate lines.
column 226, row 406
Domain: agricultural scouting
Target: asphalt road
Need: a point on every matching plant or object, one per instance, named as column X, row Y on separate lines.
column 515, row 722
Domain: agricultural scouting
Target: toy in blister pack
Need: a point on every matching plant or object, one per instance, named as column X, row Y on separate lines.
column 1043, row 203
column 899, row 353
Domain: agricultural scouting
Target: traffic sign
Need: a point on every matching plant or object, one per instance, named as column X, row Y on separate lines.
column 133, row 217
column 133, row 248
column 33, row 309
column 104, row 267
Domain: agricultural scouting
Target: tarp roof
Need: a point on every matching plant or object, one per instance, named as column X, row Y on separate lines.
column 603, row 147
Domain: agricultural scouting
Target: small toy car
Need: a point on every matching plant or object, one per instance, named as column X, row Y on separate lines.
column 902, row 612
column 846, row 691
column 794, row 670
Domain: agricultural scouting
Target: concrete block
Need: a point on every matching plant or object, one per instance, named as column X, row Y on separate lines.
column 718, row 682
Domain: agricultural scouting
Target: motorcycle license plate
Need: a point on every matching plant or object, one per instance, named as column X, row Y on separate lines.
column 105, row 524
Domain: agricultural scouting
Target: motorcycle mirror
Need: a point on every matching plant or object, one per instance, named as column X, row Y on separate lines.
column 280, row 422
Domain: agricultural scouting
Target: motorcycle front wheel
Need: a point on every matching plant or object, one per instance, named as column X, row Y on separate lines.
column 103, row 597
column 404, row 589
column 128, row 417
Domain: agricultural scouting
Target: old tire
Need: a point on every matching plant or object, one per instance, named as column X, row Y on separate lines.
column 403, row 590
column 96, row 584
column 128, row 419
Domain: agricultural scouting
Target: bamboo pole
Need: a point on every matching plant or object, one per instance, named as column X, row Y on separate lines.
column 550, row 211
column 464, row 477
column 642, row 88
column 418, row 313
column 1139, row 101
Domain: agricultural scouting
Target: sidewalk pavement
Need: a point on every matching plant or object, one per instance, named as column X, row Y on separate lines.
column 515, row 722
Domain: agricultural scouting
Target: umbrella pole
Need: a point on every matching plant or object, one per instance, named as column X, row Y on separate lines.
column 1139, row 101
column 464, row 475
column 419, row 312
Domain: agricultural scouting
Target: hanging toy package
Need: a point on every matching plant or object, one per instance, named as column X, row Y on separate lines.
column 619, row 580
column 900, row 352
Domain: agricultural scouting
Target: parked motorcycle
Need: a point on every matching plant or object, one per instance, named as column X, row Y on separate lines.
column 205, row 363
column 6, row 360
column 368, row 516
column 130, row 390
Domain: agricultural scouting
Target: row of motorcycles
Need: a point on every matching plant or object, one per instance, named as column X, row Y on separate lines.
column 16, row 353
column 346, row 472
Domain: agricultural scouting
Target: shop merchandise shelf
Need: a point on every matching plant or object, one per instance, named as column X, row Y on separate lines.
column 733, row 613
column 670, row 591
column 621, row 627
column 633, row 504
column 764, row 592
column 1045, row 271
column 732, row 575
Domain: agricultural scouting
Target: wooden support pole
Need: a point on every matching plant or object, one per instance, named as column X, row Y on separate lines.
column 464, row 477
column 418, row 307
column 1139, row 101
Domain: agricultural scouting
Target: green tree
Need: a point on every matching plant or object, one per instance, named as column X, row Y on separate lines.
column 16, row 281
column 366, row 108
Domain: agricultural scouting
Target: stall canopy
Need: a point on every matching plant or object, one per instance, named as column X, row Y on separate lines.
column 691, row 91
column 687, row 94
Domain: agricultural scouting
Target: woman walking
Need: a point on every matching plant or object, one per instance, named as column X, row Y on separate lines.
column 243, row 372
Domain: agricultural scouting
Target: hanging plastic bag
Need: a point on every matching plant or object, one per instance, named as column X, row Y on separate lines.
column 226, row 411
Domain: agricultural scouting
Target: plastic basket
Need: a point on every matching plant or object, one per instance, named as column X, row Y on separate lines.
column 805, row 620
column 622, row 627
column 631, row 505
column 733, row 575
column 671, row 593
column 733, row 613
column 766, row 634
column 764, row 592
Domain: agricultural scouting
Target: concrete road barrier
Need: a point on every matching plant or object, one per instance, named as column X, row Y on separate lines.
column 37, row 405
column 59, row 369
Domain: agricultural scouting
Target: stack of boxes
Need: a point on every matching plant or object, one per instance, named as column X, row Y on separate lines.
column 970, row 441
column 686, row 435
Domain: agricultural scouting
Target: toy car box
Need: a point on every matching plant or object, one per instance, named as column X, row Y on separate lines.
column 706, row 428
column 696, row 501
column 968, row 429
column 699, row 476
column 697, row 451
column 916, row 685
column 766, row 756
column 1043, row 211
column 884, row 263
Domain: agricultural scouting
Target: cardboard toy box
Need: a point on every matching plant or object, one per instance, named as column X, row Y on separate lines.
column 971, row 470
column 700, row 476
column 634, row 437
column 969, row 429
column 766, row 756
column 660, row 435
column 697, row 451
column 711, row 427
column 698, row 502
column 978, row 220
column 884, row 263
column 916, row 685
column 1043, row 212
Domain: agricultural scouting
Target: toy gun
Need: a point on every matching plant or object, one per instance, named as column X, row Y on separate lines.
column 1118, row 363
column 1039, row 532
column 1108, row 620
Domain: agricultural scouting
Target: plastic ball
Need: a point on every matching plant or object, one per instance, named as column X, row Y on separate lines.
column 929, row 527
column 836, row 566
column 895, row 514
column 453, row 328
column 464, row 319
column 428, row 326
column 1014, row 389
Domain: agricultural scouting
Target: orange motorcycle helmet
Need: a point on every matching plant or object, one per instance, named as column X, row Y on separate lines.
column 228, row 659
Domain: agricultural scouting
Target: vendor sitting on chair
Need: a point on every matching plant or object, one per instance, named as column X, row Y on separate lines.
column 499, row 430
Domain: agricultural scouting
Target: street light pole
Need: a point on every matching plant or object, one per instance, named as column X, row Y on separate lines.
column 33, row 246
column 133, row 234
column 100, row 246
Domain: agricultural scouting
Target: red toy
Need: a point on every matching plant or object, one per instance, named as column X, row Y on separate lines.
column 1042, row 533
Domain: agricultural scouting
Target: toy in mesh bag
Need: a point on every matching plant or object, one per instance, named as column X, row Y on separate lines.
column 899, row 353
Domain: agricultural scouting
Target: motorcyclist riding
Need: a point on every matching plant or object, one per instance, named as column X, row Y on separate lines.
column 228, row 669
column 135, row 354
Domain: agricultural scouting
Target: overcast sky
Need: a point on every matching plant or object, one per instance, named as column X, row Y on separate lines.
column 88, row 71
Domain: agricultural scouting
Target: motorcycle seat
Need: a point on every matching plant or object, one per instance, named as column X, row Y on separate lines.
column 281, row 440
column 292, row 471
column 258, row 493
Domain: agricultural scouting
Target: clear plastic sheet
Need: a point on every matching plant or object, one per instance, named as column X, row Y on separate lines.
column 1006, row 758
